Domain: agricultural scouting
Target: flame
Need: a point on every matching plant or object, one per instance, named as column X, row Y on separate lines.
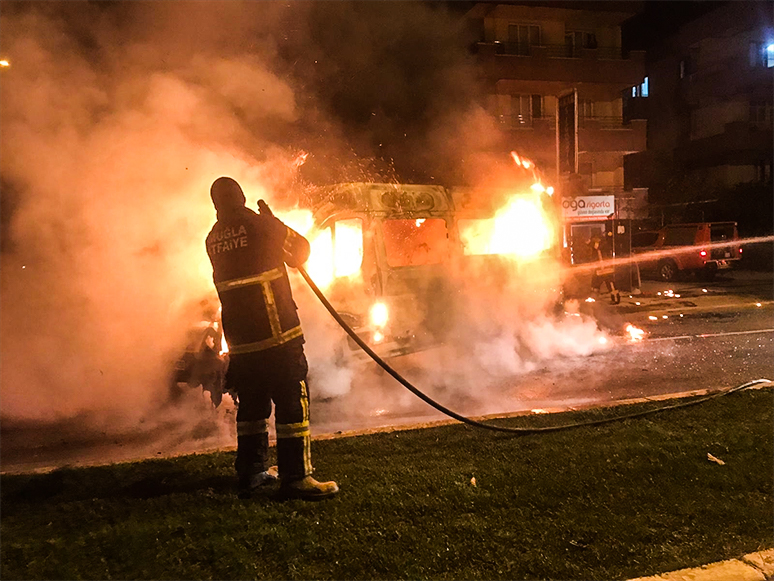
column 635, row 334
column 521, row 228
column 379, row 314
column 5, row 63
column 522, row 161
column 328, row 261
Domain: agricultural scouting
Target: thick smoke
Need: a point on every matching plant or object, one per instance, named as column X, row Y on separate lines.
column 116, row 118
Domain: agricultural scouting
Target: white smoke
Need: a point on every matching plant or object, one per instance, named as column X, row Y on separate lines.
column 110, row 161
column 117, row 117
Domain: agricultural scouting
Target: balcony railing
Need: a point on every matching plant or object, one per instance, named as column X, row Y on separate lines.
column 557, row 51
column 523, row 121
column 603, row 122
column 597, row 121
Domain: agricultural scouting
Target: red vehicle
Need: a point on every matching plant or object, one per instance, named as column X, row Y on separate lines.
column 701, row 248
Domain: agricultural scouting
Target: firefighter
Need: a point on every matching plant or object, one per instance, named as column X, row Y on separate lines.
column 248, row 251
column 604, row 276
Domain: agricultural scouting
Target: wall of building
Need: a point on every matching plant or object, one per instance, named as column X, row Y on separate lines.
column 598, row 74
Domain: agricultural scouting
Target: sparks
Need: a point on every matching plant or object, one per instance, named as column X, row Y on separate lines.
column 301, row 159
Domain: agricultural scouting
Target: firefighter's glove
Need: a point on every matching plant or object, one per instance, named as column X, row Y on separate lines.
column 296, row 249
column 263, row 207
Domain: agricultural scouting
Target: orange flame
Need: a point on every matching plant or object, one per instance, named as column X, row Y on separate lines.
column 521, row 229
column 329, row 258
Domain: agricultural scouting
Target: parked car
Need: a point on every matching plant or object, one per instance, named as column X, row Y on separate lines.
column 676, row 250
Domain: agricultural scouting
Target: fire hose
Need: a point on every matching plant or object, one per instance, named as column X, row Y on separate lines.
column 452, row 414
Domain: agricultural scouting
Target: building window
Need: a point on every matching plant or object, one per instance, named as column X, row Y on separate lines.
column 574, row 40
column 521, row 37
column 762, row 54
column 688, row 65
column 525, row 108
column 585, row 108
column 641, row 90
column 761, row 113
column 763, row 172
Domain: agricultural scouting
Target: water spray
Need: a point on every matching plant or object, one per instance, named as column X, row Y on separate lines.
column 655, row 255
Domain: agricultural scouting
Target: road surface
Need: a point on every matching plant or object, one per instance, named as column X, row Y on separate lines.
column 697, row 336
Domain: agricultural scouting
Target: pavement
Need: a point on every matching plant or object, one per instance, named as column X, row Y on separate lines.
column 752, row 567
column 661, row 300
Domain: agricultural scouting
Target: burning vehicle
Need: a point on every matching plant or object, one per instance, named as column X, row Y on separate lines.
column 392, row 258
column 384, row 255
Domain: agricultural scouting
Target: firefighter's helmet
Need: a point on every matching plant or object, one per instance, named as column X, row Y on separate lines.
column 226, row 193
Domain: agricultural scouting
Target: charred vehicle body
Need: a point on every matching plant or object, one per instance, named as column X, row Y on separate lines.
column 384, row 255
column 392, row 258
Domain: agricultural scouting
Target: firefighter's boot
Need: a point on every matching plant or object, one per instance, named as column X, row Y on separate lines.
column 308, row 489
column 248, row 483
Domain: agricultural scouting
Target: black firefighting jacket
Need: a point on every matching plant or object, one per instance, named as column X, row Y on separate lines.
column 248, row 252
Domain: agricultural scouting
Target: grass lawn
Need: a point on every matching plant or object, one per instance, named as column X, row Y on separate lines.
column 621, row 500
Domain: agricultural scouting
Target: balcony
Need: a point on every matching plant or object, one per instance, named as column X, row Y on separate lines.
column 725, row 80
column 561, row 63
column 740, row 143
column 602, row 122
column 597, row 134
column 558, row 51
column 518, row 122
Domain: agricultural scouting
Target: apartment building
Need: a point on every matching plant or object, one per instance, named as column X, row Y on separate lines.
column 709, row 110
column 533, row 57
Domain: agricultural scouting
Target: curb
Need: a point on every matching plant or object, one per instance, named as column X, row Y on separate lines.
column 521, row 413
column 751, row 567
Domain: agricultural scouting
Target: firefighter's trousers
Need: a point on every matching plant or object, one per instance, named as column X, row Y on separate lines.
column 275, row 375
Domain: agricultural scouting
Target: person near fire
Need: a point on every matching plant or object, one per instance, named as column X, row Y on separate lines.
column 248, row 252
column 603, row 275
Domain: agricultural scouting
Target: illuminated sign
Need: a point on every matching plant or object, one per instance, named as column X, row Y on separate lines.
column 588, row 207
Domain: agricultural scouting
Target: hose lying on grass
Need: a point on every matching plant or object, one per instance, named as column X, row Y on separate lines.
column 452, row 414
